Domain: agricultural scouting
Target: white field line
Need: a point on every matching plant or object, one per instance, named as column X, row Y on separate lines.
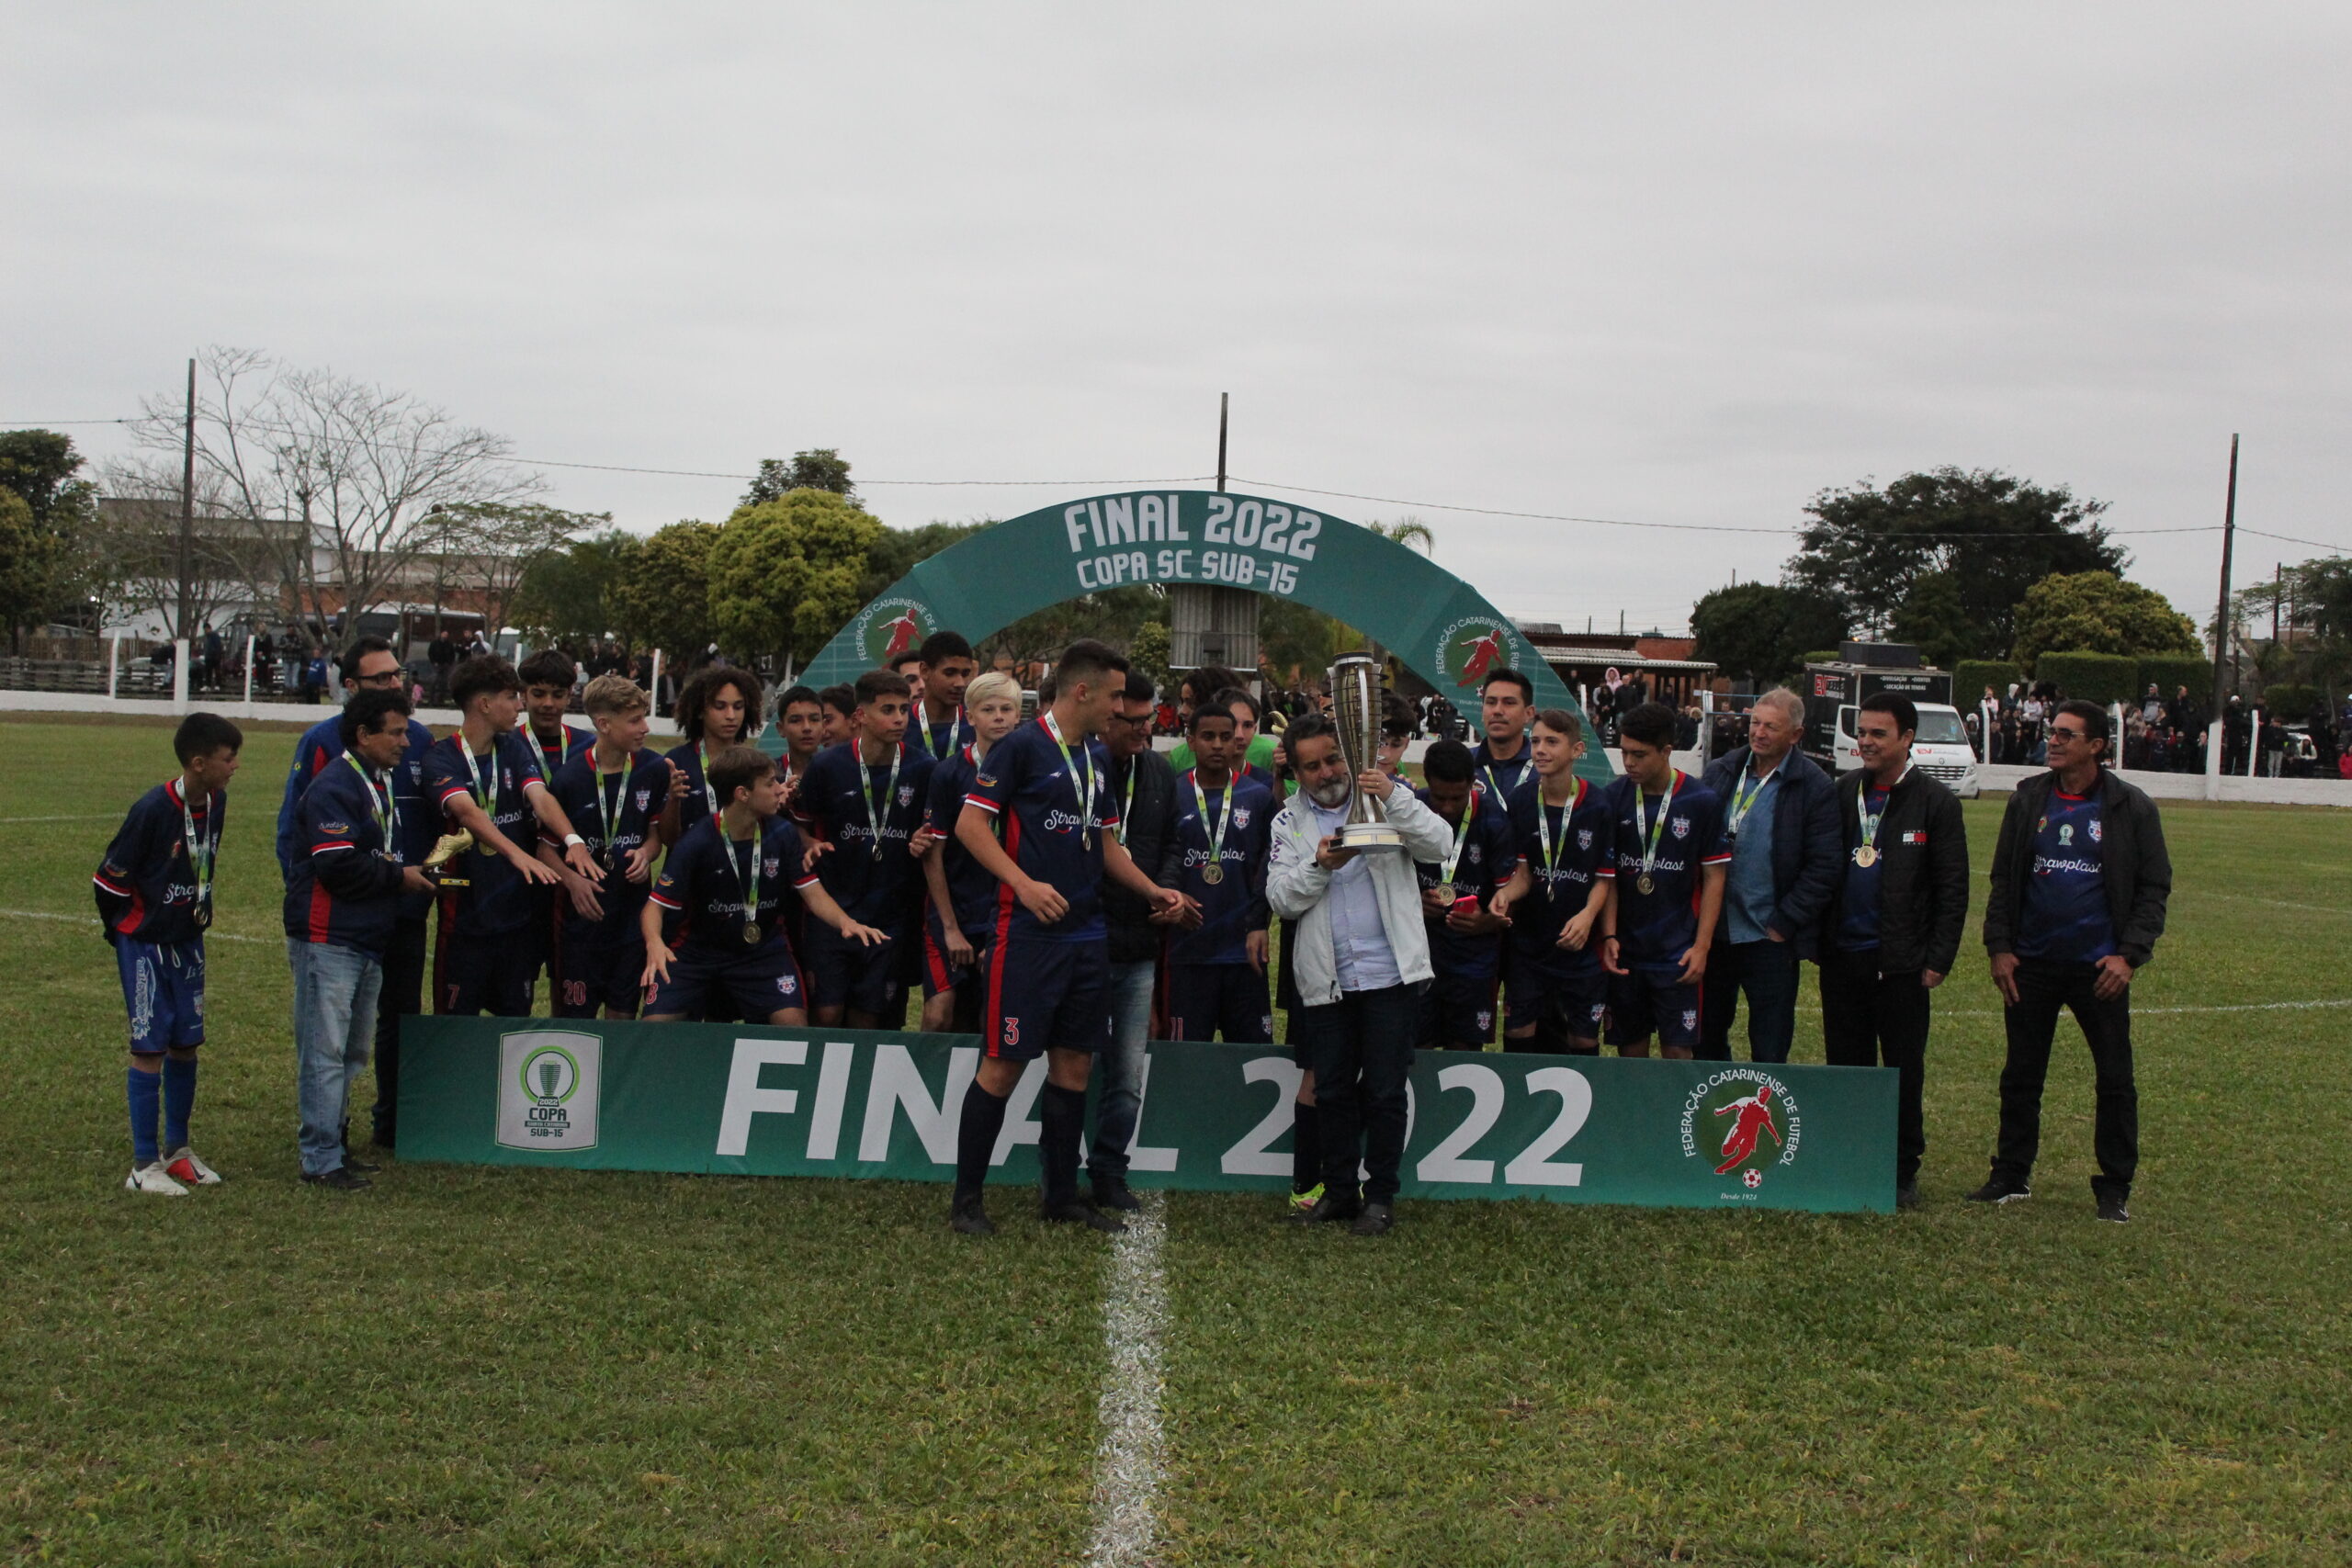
column 2269, row 903
column 85, row 919
column 84, row 816
column 1131, row 1458
column 2223, row 1007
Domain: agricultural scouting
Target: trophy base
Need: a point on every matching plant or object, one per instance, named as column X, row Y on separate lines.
column 1371, row 836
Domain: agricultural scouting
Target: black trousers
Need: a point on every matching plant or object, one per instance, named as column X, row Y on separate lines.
column 1767, row 971
column 1871, row 1020
column 2044, row 988
column 402, row 996
column 1361, row 1048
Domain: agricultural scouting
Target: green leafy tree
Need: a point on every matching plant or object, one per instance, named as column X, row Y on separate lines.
column 822, row 467
column 1934, row 619
column 899, row 550
column 786, row 575
column 1148, row 651
column 2097, row 612
column 1113, row 617
column 1296, row 643
column 1996, row 535
column 1762, row 631
column 44, row 549
column 30, row 558
column 662, row 599
column 565, row 595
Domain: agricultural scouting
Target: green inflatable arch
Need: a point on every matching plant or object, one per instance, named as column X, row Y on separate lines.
column 1435, row 623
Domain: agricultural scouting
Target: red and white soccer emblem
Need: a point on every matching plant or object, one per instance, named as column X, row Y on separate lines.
column 1752, row 1177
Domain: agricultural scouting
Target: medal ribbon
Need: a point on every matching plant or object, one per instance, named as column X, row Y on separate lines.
column 1651, row 830
column 708, row 791
column 1085, row 793
column 1462, row 836
column 890, row 791
column 1127, row 805
column 563, row 754
column 608, row 812
column 485, row 795
column 750, row 887
column 1544, row 829
column 387, row 814
column 1869, row 823
column 1743, row 799
column 1200, row 801
column 202, row 846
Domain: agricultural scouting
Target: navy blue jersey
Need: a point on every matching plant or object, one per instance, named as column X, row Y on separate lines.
column 346, row 890
column 614, row 812
column 1038, row 800
column 971, row 886
column 705, row 879
column 1236, row 905
column 1582, row 839
column 420, row 822
column 2065, row 919
column 1513, row 779
column 1858, row 900
column 698, row 802
column 146, row 886
column 845, row 801
column 1489, row 855
column 496, row 900
column 939, row 741
column 1657, row 928
column 553, row 754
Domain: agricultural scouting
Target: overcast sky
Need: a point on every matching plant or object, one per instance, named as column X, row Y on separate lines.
column 1676, row 266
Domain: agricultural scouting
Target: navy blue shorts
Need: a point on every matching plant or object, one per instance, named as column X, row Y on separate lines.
column 845, row 974
column 1042, row 994
column 1647, row 1002
column 587, row 976
column 759, row 980
column 1205, row 1000
column 1459, row 1011
column 938, row 974
column 162, row 989
column 493, row 975
column 1544, row 991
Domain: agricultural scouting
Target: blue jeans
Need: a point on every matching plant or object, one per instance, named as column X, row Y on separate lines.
column 1121, row 1068
column 1767, row 971
column 334, row 1021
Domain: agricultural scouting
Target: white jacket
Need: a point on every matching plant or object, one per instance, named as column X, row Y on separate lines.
column 1296, row 886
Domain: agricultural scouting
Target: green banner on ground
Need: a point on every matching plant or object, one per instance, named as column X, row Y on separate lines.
column 845, row 1102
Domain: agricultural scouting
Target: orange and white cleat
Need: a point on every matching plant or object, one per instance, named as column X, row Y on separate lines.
column 185, row 1166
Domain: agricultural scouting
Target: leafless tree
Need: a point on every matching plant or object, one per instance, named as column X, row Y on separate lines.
column 486, row 548
column 336, row 480
column 133, row 548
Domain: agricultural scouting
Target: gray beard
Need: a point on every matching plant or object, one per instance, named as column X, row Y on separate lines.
column 1333, row 796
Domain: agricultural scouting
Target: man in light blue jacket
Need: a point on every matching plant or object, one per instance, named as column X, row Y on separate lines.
column 1362, row 959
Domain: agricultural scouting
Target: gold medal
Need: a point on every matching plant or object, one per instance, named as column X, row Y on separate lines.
column 203, row 915
column 1212, row 873
column 1444, row 890
column 752, row 932
column 1867, row 855
column 1645, row 884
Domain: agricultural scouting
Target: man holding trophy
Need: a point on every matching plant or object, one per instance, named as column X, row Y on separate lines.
column 1344, row 849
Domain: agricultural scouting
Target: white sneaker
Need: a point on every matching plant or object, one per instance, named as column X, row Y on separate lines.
column 152, row 1178
column 186, row 1166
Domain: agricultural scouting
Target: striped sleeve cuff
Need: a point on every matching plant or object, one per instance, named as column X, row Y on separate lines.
column 331, row 845
column 118, row 892
column 808, row 880
column 984, row 803
column 665, row 903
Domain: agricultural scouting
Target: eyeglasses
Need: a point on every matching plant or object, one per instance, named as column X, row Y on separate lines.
column 381, row 678
column 1139, row 719
column 2067, row 735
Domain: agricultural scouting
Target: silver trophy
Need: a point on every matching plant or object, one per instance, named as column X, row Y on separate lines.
column 1355, row 714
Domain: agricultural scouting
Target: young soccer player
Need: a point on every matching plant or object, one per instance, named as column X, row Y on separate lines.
column 867, row 800
column 800, row 719
column 947, row 667
column 839, row 715
column 1253, row 753
column 716, row 710
column 548, row 676
column 615, row 790
column 1665, row 889
column 1048, row 961
column 908, row 667
column 960, row 899
column 1216, row 856
column 154, row 894
column 713, row 925
column 1506, row 703
column 341, row 907
column 485, row 779
column 1466, row 936
column 1554, row 900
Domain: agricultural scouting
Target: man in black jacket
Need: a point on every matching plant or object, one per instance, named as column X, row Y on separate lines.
column 1892, row 931
column 1781, row 813
column 1144, row 786
column 2079, row 883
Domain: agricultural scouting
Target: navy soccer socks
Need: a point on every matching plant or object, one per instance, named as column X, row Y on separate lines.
column 975, row 1137
column 146, row 1095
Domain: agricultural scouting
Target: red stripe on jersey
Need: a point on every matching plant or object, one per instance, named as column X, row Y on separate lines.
column 138, row 912
column 453, row 789
column 993, row 1012
column 808, row 881
column 118, row 892
column 335, row 844
column 657, row 898
column 988, row 805
column 322, row 912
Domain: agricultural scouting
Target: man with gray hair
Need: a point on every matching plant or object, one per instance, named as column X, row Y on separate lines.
column 1781, row 813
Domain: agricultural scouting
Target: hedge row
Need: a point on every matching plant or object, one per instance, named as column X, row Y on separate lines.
column 1971, row 676
column 2095, row 677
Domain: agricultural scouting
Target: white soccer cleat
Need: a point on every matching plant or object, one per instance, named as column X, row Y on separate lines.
column 186, row 1166
column 153, row 1177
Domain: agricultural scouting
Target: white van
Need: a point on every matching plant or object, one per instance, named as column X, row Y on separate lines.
column 1940, row 749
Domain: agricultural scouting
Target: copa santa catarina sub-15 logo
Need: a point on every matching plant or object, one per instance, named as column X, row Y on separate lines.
column 1744, row 1123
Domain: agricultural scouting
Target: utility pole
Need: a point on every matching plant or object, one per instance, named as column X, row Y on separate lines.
column 1223, row 406
column 2222, row 619
column 2277, row 595
column 187, row 505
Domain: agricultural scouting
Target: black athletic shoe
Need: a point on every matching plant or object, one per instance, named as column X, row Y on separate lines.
column 1325, row 1210
column 340, row 1178
column 2000, row 1189
column 1907, row 1195
column 1377, row 1219
column 1075, row 1213
column 1111, row 1193
column 969, row 1218
column 359, row 1166
column 2112, row 1209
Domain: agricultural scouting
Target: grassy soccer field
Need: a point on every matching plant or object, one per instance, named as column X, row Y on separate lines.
column 509, row 1366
